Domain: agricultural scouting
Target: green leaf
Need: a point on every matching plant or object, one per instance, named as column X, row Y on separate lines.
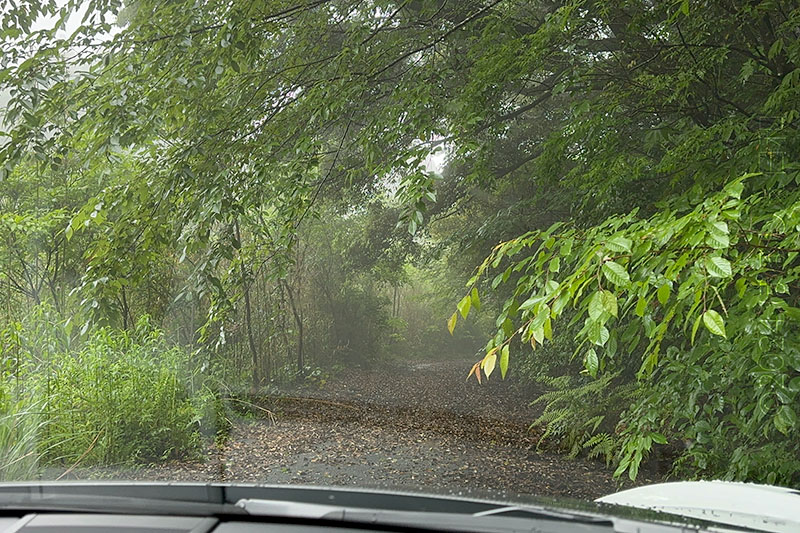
column 609, row 303
column 538, row 333
column 785, row 419
column 633, row 470
column 547, row 329
column 735, row 189
column 720, row 227
column 596, row 305
column 597, row 333
column 555, row 264
column 696, row 326
column 504, row 361
column 530, row 302
column 717, row 240
column 541, row 317
column 464, row 306
column 658, row 438
column 616, row 273
column 451, row 324
column 560, row 303
column 619, row 244
column 775, row 49
column 498, row 279
column 714, row 323
column 476, row 301
column 718, row 267
column 623, row 465
column 591, row 363
column 663, row 293
column 641, row 307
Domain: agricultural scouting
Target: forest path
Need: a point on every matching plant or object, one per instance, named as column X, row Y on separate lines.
column 420, row 426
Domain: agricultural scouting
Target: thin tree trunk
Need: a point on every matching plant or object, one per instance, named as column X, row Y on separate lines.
column 298, row 319
column 248, row 317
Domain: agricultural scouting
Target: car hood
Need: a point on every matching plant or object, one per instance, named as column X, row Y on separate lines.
column 760, row 507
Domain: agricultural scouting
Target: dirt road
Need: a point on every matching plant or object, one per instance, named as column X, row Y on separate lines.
column 411, row 427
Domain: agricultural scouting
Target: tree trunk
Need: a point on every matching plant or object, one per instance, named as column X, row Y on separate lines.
column 248, row 317
column 298, row 319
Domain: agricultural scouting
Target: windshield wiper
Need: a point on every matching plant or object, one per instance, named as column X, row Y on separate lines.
column 501, row 519
column 95, row 503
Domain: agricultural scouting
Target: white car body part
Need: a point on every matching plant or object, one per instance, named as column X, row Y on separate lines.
column 758, row 507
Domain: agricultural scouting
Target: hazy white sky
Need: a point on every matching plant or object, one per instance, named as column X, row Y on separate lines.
column 72, row 23
column 48, row 22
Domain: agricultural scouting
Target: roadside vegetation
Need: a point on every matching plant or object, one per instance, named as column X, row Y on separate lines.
column 199, row 200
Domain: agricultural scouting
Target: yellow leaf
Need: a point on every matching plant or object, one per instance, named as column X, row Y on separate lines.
column 451, row 324
column 472, row 370
column 489, row 362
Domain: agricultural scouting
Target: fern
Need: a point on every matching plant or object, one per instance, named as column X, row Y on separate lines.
column 601, row 445
column 580, row 415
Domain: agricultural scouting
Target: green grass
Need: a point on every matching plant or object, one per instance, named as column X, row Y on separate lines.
column 114, row 398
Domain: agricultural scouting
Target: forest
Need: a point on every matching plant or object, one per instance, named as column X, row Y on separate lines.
column 202, row 201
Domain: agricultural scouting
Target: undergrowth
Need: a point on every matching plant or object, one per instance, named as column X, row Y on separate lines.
column 113, row 397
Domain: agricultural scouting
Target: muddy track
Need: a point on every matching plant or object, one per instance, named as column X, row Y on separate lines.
column 419, row 426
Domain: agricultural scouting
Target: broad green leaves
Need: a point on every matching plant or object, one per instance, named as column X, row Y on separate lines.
column 475, row 299
column 718, row 267
column 609, row 301
column 785, row 419
column 663, row 293
column 232, row 120
column 602, row 304
column 714, row 322
column 679, row 284
column 616, row 274
column 464, row 305
column 619, row 244
column 717, row 236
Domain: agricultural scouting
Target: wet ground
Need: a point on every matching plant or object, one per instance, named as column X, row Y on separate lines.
column 416, row 427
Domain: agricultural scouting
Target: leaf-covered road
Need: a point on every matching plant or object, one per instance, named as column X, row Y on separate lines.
column 414, row 427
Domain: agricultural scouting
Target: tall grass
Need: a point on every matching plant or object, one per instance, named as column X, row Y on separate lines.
column 19, row 437
column 116, row 397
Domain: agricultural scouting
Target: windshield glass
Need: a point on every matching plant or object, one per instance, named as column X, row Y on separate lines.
column 478, row 247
